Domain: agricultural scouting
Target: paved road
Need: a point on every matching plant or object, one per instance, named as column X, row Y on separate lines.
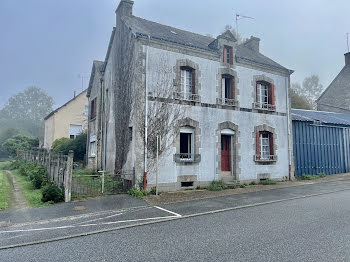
column 314, row 228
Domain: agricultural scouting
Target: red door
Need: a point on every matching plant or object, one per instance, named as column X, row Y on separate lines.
column 225, row 153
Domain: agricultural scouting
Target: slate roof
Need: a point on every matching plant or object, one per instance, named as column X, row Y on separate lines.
column 166, row 33
column 320, row 116
column 56, row 110
column 337, row 93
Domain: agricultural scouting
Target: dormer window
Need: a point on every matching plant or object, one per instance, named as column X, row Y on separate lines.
column 228, row 55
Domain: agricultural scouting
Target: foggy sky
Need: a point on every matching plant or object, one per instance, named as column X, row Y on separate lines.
column 49, row 43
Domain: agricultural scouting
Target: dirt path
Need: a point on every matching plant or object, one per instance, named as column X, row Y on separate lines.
column 18, row 200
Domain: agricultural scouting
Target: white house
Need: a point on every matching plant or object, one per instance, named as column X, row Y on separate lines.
column 220, row 109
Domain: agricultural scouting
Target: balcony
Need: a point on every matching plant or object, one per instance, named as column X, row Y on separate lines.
column 227, row 101
column 187, row 158
column 263, row 106
column 265, row 158
column 187, row 96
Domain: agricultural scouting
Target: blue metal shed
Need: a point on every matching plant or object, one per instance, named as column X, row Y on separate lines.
column 321, row 142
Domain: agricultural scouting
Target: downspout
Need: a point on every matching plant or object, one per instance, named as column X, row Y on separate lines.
column 105, row 136
column 288, row 127
column 88, row 135
column 146, row 119
column 101, row 119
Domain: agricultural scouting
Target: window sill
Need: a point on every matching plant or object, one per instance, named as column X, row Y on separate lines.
column 188, row 159
column 269, row 159
column 227, row 102
column 92, row 156
column 187, row 97
column 265, row 107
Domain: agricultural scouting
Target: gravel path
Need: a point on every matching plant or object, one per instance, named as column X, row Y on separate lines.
column 19, row 201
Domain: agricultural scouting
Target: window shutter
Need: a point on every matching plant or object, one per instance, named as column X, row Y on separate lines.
column 231, row 56
column 193, row 82
column 223, row 93
column 271, row 144
column 232, row 88
column 224, row 55
column 258, row 144
column 272, row 94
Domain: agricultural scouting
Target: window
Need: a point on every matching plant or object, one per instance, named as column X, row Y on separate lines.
column 93, row 106
column 186, row 144
column 93, row 148
column 227, row 89
column 187, row 82
column 265, row 146
column 75, row 130
column 130, row 133
column 228, row 55
column 86, row 110
column 265, row 96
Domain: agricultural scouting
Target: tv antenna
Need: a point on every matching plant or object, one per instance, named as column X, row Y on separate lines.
column 347, row 40
column 239, row 17
column 82, row 76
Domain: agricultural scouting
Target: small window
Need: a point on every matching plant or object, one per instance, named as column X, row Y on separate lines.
column 93, row 106
column 264, row 146
column 86, row 110
column 130, row 133
column 93, row 148
column 187, row 184
column 186, row 144
column 227, row 87
column 75, row 130
column 228, row 55
column 265, row 96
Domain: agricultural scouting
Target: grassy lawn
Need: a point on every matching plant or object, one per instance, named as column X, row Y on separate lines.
column 32, row 195
column 5, row 191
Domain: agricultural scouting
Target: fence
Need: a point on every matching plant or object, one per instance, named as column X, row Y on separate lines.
column 59, row 167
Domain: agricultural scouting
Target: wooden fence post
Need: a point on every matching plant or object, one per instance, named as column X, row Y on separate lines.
column 68, row 178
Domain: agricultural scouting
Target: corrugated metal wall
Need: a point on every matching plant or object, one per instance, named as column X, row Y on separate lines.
column 320, row 149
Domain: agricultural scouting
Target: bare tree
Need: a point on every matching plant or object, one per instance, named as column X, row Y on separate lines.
column 310, row 90
column 297, row 100
column 239, row 38
column 163, row 112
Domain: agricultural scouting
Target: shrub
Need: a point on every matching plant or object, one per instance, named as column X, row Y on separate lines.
column 268, row 182
column 153, row 191
column 217, row 185
column 51, row 192
column 37, row 176
column 18, row 142
column 253, row 183
column 78, row 145
column 25, row 168
column 242, row 186
column 137, row 193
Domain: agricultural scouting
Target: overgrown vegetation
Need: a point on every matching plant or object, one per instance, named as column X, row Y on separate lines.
column 18, row 142
column 311, row 177
column 138, row 193
column 36, row 187
column 78, row 145
column 267, row 182
column 217, row 185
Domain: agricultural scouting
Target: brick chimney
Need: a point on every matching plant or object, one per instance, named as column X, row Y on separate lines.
column 124, row 8
column 347, row 58
column 253, row 43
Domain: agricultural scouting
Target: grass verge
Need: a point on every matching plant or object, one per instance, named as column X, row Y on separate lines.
column 32, row 195
column 5, row 191
column 311, row 177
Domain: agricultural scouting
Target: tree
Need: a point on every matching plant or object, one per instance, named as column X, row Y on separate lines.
column 310, row 90
column 5, row 134
column 298, row 101
column 78, row 145
column 19, row 142
column 233, row 31
column 26, row 111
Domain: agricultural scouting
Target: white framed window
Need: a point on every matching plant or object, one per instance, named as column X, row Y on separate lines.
column 186, row 80
column 262, row 94
column 265, row 146
column 86, row 110
column 186, row 144
column 93, row 148
column 75, row 130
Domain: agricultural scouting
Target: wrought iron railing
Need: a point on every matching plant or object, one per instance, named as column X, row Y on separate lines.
column 186, row 157
column 263, row 106
column 187, row 96
column 265, row 158
column 227, row 101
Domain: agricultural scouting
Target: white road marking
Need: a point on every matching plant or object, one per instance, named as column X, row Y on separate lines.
column 101, row 218
column 166, row 210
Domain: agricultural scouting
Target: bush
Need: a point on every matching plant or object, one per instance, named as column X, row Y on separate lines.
column 153, row 191
column 53, row 193
column 25, row 168
column 78, row 145
column 268, row 182
column 242, row 185
column 37, row 176
column 18, row 142
column 253, row 183
column 217, row 185
column 137, row 193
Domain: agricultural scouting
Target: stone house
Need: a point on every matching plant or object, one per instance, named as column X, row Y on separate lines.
column 336, row 97
column 67, row 121
column 217, row 109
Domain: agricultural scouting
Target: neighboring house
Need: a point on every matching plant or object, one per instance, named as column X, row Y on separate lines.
column 68, row 120
column 321, row 142
column 218, row 109
column 336, row 98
